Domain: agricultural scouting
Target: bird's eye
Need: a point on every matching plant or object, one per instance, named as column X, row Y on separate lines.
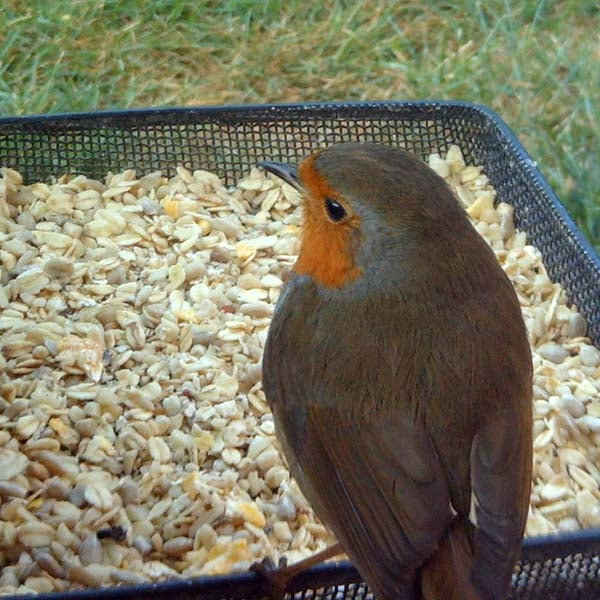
column 335, row 210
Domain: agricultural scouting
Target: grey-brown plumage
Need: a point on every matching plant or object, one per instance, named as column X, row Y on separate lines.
column 405, row 391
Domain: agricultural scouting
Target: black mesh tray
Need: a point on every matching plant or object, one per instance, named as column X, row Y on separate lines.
column 228, row 141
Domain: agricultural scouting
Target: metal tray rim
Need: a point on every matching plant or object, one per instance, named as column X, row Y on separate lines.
column 328, row 574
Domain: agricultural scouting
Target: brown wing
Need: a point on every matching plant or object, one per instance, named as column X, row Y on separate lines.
column 501, row 452
column 387, row 498
column 501, row 482
column 377, row 485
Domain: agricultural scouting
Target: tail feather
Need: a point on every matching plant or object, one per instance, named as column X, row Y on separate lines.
column 447, row 574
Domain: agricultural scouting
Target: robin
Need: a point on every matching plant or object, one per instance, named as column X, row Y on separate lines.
column 399, row 374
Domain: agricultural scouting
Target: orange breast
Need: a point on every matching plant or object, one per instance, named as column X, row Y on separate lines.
column 326, row 250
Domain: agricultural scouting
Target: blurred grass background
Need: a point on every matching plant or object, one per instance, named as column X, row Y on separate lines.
column 536, row 62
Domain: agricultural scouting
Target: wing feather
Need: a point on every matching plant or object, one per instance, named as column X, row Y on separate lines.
column 386, row 508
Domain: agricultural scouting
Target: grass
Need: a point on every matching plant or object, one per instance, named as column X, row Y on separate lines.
column 533, row 61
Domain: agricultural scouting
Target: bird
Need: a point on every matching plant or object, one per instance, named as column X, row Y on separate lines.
column 398, row 370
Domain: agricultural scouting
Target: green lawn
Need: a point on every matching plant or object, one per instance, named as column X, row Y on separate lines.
column 536, row 62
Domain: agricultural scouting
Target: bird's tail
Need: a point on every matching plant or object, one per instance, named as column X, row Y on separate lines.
column 447, row 574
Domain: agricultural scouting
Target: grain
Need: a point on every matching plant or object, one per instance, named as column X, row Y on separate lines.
column 34, row 534
column 90, row 550
column 49, row 564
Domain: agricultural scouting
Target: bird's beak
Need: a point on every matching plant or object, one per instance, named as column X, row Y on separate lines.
column 288, row 173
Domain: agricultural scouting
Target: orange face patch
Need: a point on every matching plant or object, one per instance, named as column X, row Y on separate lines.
column 326, row 246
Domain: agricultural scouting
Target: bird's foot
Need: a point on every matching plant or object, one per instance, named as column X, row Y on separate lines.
column 277, row 575
column 280, row 575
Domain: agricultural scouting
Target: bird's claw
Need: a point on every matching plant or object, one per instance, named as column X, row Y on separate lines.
column 275, row 574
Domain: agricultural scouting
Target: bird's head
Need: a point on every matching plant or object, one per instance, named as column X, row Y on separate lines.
column 366, row 206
